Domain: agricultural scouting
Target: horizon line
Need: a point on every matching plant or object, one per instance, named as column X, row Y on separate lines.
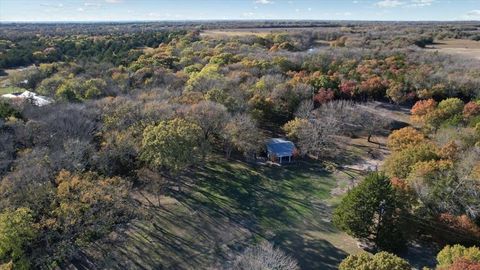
column 223, row 20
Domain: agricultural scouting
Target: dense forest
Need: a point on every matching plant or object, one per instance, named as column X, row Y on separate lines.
column 157, row 121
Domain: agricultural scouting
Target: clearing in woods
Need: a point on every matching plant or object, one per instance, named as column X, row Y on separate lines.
column 463, row 47
column 227, row 204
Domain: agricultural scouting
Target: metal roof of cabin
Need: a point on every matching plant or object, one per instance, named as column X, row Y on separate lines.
column 280, row 147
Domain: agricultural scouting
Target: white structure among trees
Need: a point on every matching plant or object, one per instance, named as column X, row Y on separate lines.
column 280, row 150
column 27, row 95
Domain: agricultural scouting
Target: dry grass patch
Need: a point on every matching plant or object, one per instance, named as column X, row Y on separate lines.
column 463, row 47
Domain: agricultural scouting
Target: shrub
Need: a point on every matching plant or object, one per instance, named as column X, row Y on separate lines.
column 379, row 261
column 450, row 255
column 471, row 109
column 450, row 107
column 292, row 128
column 6, row 110
column 324, row 96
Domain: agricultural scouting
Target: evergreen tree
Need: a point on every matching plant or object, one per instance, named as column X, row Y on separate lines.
column 371, row 211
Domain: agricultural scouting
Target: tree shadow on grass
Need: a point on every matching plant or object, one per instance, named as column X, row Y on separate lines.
column 272, row 197
column 223, row 207
column 310, row 253
column 171, row 240
column 346, row 156
column 298, row 169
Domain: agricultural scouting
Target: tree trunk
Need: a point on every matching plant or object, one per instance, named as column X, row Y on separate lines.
column 228, row 152
column 380, row 214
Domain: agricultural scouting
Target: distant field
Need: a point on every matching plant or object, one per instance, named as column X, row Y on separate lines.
column 233, row 32
column 467, row 48
column 257, row 31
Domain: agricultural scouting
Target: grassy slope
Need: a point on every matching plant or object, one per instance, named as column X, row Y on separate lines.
column 230, row 204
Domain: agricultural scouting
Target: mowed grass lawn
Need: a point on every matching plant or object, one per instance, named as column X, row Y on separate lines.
column 227, row 205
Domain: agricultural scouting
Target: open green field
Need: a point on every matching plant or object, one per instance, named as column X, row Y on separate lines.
column 10, row 89
column 226, row 205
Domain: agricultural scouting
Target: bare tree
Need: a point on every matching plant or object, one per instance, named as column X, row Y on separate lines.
column 264, row 256
column 7, row 147
column 316, row 137
column 468, row 189
column 319, row 135
column 304, row 109
column 341, row 111
column 467, row 195
column 354, row 118
column 370, row 121
column 75, row 156
column 53, row 125
column 29, row 182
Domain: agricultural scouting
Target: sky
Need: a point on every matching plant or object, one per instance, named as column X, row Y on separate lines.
column 179, row 10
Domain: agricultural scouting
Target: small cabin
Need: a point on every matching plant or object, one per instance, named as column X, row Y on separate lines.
column 280, row 150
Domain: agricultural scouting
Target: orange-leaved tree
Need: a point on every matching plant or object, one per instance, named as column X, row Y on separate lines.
column 402, row 138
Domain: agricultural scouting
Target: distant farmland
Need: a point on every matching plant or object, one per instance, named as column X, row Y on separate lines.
column 261, row 31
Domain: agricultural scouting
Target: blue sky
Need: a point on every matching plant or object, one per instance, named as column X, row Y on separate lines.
column 141, row 10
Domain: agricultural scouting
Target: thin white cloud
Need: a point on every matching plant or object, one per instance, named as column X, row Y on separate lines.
column 264, row 2
column 475, row 12
column 472, row 15
column 248, row 14
column 59, row 5
column 113, row 1
column 90, row 4
column 80, row 9
column 389, row 3
column 345, row 14
column 421, row 3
